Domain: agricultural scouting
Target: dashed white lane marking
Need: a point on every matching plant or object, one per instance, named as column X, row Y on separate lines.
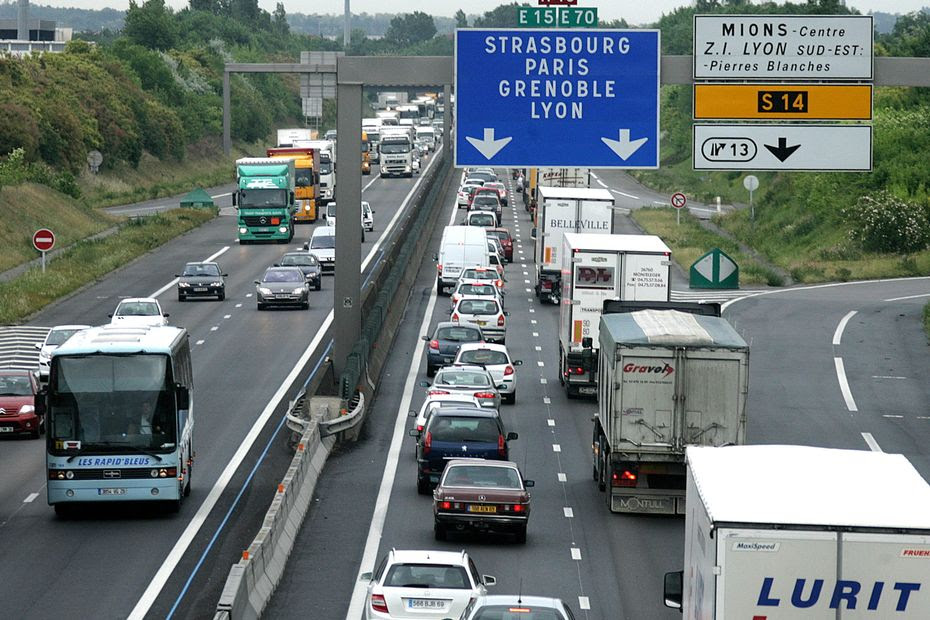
column 248, row 294
column 543, row 380
column 30, row 498
column 562, row 477
column 535, row 334
column 525, row 273
column 529, row 299
column 584, row 603
column 892, row 416
column 550, row 422
column 887, row 377
column 576, row 553
column 870, row 441
column 529, row 290
column 538, row 348
column 533, row 321
column 923, row 417
column 547, row 400
column 556, row 447
column 619, row 193
column 238, row 305
column 526, row 281
column 540, row 364
column 199, row 342
column 214, row 328
column 838, row 334
column 226, row 316
column 568, row 512
column 844, row 384
column 531, row 310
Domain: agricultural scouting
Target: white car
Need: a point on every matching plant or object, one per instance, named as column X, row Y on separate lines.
column 427, row 585
column 476, row 288
column 468, row 380
column 488, row 314
column 138, row 312
column 322, row 244
column 54, row 339
column 496, row 360
column 485, row 274
column 461, row 199
column 484, row 219
column 368, row 217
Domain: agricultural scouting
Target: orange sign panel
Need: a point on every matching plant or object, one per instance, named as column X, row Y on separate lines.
column 783, row 101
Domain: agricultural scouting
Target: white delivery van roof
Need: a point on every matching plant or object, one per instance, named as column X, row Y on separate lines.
column 575, row 193
column 802, row 485
column 617, row 243
column 465, row 235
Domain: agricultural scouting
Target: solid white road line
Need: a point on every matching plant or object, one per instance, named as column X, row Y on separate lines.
column 221, row 195
column 908, row 297
column 838, row 334
column 31, row 498
column 817, row 286
column 175, row 281
column 376, row 177
column 870, row 441
column 550, row 422
column 171, row 562
column 844, row 384
column 369, row 556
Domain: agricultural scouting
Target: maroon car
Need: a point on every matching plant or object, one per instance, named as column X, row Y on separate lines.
column 489, row 496
column 18, row 389
column 503, row 235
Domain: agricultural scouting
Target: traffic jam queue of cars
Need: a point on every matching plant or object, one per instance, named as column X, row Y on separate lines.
column 462, row 444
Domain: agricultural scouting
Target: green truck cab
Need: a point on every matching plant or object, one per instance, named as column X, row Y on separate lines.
column 264, row 199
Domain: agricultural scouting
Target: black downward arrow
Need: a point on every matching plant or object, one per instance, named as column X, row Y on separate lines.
column 782, row 151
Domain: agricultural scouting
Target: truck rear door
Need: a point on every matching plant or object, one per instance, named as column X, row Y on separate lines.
column 594, row 216
column 594, row 279
column 646, row 277
column 643, row 404
column 559, row 217
column 711, row 398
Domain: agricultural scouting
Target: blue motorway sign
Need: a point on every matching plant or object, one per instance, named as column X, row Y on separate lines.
column 557, row 98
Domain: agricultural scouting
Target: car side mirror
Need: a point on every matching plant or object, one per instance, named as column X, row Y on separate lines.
column 529, row 483
column 512, row 435
column 275, row 265
column 506, row 313
column 533, row 233
column 110, row 315
column 365, row 577
column 38, row 346
column 489, row 580
column 424, row 383
column 40, row 399
column 183, row 396
column 235, row 201
column 517, row 362
column 177, row 275
column 225, row 275
column 166, row 315
column 673, row 588
column 412, row 413
column 435, row 256
column 256, row 281
column 425, row 338
column 587, row 342
column 413, row 432
column 502, row 386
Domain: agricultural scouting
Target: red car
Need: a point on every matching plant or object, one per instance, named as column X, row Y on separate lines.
column 503, row 235
column 18, row 389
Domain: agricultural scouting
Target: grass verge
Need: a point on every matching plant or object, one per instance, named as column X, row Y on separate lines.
column 87, row 261
column 690, row 241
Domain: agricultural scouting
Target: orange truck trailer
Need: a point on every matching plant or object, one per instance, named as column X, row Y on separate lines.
column 307, row 181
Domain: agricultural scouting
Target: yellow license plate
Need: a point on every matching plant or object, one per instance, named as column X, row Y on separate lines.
column 479, row 508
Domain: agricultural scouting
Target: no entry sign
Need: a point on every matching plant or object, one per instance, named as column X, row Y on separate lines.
column 43, row 240
column 678, row 200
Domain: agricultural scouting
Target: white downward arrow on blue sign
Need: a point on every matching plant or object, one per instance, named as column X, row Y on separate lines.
column 624, row 147
column 489, row 147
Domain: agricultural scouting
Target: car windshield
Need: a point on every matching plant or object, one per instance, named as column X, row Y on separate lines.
column 201, row 270
column 458, row 334
column 283, row 275
column 474, row 274
column 59, row 336
column 12, row 385
column 302, row 260
column 427, row 576
column 484, row 198
column 481, row 219
column 454, row 428
column 501, row 235
column 483, row 356
column 137, row 308
column 527, row 612
column 477, row 306
column 482, row 476
column 495, row 185
column 462, row 377
column 477, row 289
column 322, row 242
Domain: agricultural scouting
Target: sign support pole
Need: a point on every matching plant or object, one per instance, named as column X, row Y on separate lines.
column 43, row 261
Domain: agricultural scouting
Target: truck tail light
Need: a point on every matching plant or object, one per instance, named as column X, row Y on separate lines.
column 379, row 604
column 427, row 443
column 501, row 447
column 500, row 320
column 574, row 370
column 546, row 284
column 625, row 478
column 508, row 370
column 434, row 344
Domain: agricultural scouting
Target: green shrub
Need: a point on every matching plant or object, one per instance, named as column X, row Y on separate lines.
column 884, row 223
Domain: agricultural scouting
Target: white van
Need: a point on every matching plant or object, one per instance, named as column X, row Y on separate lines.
column 461, row 247
column 322, row 244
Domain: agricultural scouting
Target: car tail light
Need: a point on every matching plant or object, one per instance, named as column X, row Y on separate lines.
column 626, row 478
column 427, row 443
column 434, row 344
column 439, row 268
column 445, row 505
column 508, row 371
column 484, row 394
column 437, row 392
column 378, row 603
column 420, row 428
column 455, row 317
column 500, row 283
column 500, row 320
column 501, row 447
column 519, row 507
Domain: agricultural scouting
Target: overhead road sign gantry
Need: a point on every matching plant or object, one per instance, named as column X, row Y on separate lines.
column 782, row 147
column 783, row 101
column 557, row 98
column 783, row 47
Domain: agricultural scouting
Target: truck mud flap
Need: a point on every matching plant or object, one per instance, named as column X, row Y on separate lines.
column 647, row 504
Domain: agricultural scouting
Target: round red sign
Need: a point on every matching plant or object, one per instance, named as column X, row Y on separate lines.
column 678, row 200
column 43, row 240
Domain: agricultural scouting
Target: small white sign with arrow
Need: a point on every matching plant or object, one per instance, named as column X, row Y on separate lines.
column 489, row 147
column 782, row 147
column 624, row 147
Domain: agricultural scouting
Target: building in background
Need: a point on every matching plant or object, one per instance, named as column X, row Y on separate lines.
column 22, row 35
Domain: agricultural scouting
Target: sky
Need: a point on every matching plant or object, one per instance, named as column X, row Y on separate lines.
column 634, row 11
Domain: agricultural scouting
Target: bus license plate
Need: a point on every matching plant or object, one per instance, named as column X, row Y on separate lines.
column 480, row 508
column 111, row 491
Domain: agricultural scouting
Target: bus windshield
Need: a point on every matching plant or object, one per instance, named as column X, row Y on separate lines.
column 262, row 198
column 112, row 403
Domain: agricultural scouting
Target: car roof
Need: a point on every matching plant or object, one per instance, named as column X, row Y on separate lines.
column 200, row 262
column 459, row 398
column 16, row 373
column 468, row 367
column 466, row 412
column 475, row 297
column 61, row 327
column 135, row 299
column 454, row 324
column 491, row 346
column 522, row 599
column 284, row 268
column 324, row 230
column 425, row 556
column 482, row 463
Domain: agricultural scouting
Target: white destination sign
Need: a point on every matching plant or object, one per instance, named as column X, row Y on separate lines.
column 783, row 147
column 783, row 47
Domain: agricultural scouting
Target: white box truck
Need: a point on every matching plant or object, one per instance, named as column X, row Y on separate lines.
column 288, row 137
column 803, row 533
column 596, row 268
column 562, row 210
column 667, row 379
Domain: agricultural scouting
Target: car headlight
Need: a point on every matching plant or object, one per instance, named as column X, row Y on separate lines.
column 407, row 168
column 264, row 291
column 25, row 409
column 282, row 229
column 216, row 284
column 183, row 284
column 243, row 230
column 44, row 357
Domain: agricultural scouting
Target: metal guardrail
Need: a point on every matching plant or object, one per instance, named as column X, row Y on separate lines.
column 347, row 422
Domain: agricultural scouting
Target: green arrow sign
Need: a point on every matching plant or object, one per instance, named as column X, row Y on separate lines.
column 715, row 270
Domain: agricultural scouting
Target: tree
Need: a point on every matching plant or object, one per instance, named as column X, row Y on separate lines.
column 279, row 20
column 461, row 21
column 410, row 29
column 209, row 6
column 151, row 25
